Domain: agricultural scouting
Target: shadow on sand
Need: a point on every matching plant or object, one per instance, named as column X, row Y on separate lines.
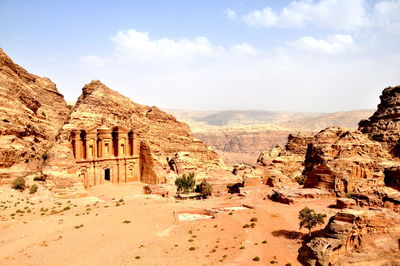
column 288, row 234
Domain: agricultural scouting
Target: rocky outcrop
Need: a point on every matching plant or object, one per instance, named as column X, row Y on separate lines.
column 345, row 161
column 160, row 135
column 31, row 113
column 384, row 125
column 282, row 165
column 294, row 195
column 359, row 237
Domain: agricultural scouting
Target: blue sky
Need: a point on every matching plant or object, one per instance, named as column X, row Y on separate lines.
column 325, row 55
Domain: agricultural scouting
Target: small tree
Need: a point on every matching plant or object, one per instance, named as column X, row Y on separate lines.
column 18, row 183
column 186, row 183
column 309, row 219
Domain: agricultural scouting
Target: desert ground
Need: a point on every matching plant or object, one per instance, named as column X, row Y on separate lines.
column 118, row 225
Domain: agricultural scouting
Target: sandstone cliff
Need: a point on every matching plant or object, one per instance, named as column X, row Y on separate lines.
column 282, row 165
column 384, row 124
column 345, row 161
column 31, row 113
column 160, row 134
column 355, row 237
column 241, row 141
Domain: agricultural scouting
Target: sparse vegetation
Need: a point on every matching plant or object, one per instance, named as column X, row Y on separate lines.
column 204, row 188
column 301, row 179
column 256, row 258
column 186, row 183
column 254, row 219
column 18, row 184
column 192, row 248
column 309, row 219
column 39, row 178
column 44, row 156
column 126, row 222
column 33, row 189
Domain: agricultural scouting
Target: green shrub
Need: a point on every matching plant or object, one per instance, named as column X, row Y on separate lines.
column 254, row 219
column 44, row 156
column 33, row 189
column 301, row 179
column 192, row 248
column 256, row 258
column 18, row 184
column 186, row 183
column 204, row 188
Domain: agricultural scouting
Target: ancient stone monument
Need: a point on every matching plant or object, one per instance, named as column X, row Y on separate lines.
column 106, row 155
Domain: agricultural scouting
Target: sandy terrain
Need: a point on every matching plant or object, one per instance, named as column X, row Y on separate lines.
column 117, row 225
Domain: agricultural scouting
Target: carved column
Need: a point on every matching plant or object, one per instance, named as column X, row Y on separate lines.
column 106, row 142
column 77, row 142
column 91, row 145
column 136, row 145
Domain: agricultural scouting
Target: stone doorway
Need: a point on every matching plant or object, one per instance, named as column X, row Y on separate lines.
column 107, row 175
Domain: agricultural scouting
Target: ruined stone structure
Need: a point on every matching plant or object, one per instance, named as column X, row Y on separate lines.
column 106, row 155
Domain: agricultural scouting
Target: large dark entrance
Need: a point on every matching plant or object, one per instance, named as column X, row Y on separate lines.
column 107, row 174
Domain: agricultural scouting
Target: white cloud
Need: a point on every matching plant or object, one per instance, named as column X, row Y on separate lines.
column 334, row 14
column 230, row 14
column 92, row 60
column 302, row 75
column 244, row 49
column 138, row 45
column 387, row 15
column 332, row 45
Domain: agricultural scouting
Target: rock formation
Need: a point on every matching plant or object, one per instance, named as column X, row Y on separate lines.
column 359, row 237
column 31, row 113
column 282, row 165
column 345, row 161
column 384, row 124
column 159, row 136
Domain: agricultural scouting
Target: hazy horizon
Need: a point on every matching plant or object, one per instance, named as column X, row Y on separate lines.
column 292, row 56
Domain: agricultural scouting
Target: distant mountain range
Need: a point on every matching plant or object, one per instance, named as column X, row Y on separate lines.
column 287, row 120
column 250, row 132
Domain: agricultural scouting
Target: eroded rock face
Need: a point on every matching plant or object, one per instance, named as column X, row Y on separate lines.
column 160, row 135
column 345, row 161
column 384, row 124
column 31, row 113
column 282, row 165
column 359, row 237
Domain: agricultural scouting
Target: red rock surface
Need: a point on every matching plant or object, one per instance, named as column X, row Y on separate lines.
column 31, row 113
column 359, row 237
column 345, row 161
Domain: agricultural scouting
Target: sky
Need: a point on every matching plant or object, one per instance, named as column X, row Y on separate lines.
column 303, row 56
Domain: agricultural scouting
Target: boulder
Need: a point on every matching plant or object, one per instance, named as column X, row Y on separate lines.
column 359, row 237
